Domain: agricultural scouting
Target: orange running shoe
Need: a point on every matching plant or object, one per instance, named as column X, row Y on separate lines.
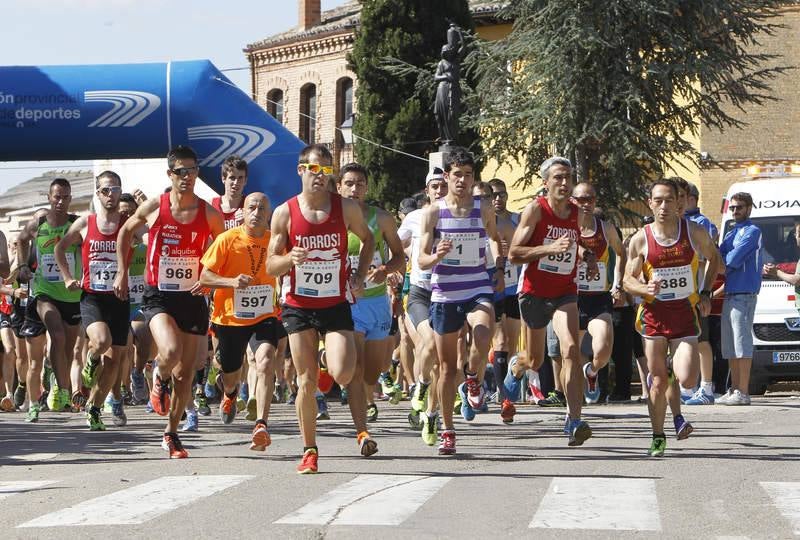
column 507, row 411
column 172, row 444
column 261, row 438
column 7, row 404
column 366, row 445
column 159, row 396
column 227, row 409
column 309, row 463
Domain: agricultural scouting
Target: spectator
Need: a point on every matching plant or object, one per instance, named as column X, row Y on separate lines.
column 741, row 252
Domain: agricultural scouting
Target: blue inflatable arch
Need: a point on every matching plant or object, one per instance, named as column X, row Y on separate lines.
column 141, row 111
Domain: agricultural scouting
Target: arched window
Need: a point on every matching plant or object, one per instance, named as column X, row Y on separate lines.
column 275, row 104
column 308, row 113
column 344, row 104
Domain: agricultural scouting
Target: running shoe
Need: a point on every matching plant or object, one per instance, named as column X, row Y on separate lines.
column 737, row 398
column 308, row 465
column 19, row 395
column 447, row 444
column 62, row 400
column 484, row 408
column 244, row 392
column 89, row 371
column 579, row 432
column 260, row 439
column 118, row 415
column 292, row 398
column 160, row 395
column 138, row 386
column 322, row 409
column 658, row 446
column 94, row 421
column 33, row 413
column 457, row 404
column 7, row 403
column 682, row 428
column 53, row 398
column 475, row 392
column 554, row 399
column 201, row 404
column 372, row 413
column 342, row 397
column 429, row 428
column 415, row 420
column 227, row 409
column 419, row 397
column 191, row 423
column 367, row 446
column 48, row 377
column 172, row 444
column 78, row 401
column 512, row 386
column 148, row 407
column 251, row 407
column 591, row 390
column 210, row 388
column 507, row 411
column 535, row 386
column 389, row 389
column 398, row 394
column 393, row 369
column 466, row 411
column 700, row 398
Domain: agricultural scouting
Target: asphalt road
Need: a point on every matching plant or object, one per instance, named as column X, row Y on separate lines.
column 738, row 476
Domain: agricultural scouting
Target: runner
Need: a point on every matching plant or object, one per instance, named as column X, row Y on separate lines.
column 53, row 308
column 7, row 353
column 104, row 316
column 230, row 204
column 372, row 313
column 596, row 296
column 309, row 244
column 179, row 224
column 17, row 291
column 453, row 245
column 547, row 242
column 666, row 253
column 245, row 315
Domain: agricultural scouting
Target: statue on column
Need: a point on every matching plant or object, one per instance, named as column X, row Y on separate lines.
column 447, row 106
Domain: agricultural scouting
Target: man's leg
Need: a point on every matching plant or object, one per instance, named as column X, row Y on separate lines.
column 304, row 356
column 356, row 388
column 168, row 341
column 565, row 325
column 481, row 323
column 56, row 329
column 9, row 358
column 264, row 353
column 447, row 352
column 183, row 376
column 656, row 353
column 35, row 346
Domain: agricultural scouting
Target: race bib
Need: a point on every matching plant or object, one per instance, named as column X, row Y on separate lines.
column 136, row 289
column 597, row 283
column 49, row 266
column 319, row 279
column 511, row 273
column 466, row 249
column 377, row 260
column 677, row 282
column 178, row 273
column 253, row 302
column 560, row 263
column 102, row 275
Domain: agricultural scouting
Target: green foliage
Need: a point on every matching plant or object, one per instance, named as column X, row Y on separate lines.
column 389, row 109
column 620, row 86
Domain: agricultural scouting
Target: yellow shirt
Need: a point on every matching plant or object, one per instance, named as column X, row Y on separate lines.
column 234, row 252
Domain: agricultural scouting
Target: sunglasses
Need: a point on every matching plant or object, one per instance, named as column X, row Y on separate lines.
column 584, row 199
column 108, row 190
column 316, row 168
column 500, row 194
column 184, row 171
column 735, row 207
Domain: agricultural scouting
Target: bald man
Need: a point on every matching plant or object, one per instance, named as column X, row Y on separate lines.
column 245, row 312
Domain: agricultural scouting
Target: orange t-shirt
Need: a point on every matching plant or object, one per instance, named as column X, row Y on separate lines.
column 234, row 252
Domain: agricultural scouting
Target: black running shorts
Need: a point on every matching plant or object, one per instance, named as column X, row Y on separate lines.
column 189, row 311
column 107, row 308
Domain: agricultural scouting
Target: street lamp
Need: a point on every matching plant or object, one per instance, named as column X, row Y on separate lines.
column 347, row 130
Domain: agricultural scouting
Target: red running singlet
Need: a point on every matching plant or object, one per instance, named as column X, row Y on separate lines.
column 99, row 253
column 231, row 219
column 320, row 282
column 174, row 249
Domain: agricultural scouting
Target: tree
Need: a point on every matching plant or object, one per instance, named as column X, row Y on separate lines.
column 620, row 86
column 389, row 109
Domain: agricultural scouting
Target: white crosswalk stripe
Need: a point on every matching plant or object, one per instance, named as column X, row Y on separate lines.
column 599, row 504
column 138, row 504
column 7, row 489
column 376, row 499
column 786, row 496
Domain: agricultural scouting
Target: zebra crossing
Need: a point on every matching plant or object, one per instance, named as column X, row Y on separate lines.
column 381, row 500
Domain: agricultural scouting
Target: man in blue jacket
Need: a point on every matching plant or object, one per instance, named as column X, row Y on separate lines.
column 741, row 251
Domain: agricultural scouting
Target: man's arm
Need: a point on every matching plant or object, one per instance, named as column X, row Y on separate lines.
column 750, row 242
column 124, row 241
column 215, row 221
column 213, row 280
column 5, row 267
column 615, row 244
column 74, row 236
column 519, row 252
column 279, row 261
column 397, row 262
column 633, row 270
column 705, row 245
column 354, row 219
column 427, row 260
column 499, row 244
column 26, row 236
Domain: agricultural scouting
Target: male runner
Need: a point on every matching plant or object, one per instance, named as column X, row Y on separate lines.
column 666, row 253
column 372, row 313
column 53, row 308
column 244, row 314
column 309, row 244
column 547, row 242
column 104, row 316
column 179, row 224
column 596, row 296
column 230, row 204
column 453, row 245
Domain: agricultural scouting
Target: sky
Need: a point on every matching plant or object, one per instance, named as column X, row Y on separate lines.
column 59, row 32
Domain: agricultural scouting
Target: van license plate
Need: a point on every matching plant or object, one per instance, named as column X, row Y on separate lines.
column 785, row 357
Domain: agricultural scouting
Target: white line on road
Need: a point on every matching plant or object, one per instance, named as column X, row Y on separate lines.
column 599, row 503
column 786, row 496
column 139, row 503
column 34, row 457
column 375, row 499
column 7, row 489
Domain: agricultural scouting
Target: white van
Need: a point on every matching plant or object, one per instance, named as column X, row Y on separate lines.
column 776, row 332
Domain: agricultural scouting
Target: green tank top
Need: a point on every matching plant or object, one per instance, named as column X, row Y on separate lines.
column 47, row 280
column 379, row 257
column 136, row 275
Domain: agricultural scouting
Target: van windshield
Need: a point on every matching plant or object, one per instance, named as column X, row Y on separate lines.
column 779, row 241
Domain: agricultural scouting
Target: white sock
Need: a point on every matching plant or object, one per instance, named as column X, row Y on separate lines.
column 707, row 387
column 591, row 372
column 686, row 392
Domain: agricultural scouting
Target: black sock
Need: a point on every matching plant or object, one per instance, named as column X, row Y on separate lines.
column 659, row 436
column 307, row 448
column 261, row 421
column 500, row 366
column 233, row 394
